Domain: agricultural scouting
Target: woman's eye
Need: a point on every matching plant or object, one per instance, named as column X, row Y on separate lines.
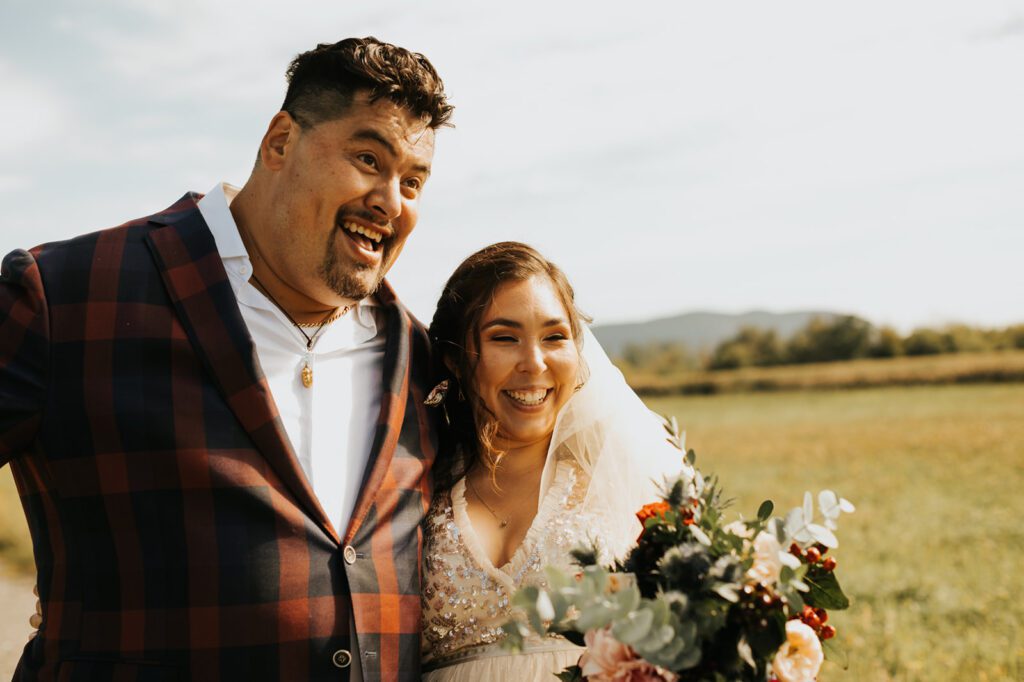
column 504, row 338
column 557, row 337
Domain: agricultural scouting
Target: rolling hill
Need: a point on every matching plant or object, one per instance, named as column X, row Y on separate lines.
column 700, row 330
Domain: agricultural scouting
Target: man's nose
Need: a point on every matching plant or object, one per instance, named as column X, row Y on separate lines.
column 386, row 200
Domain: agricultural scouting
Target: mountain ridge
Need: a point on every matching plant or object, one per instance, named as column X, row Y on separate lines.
column 701, row 330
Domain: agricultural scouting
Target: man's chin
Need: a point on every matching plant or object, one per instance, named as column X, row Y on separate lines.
column 352, row 286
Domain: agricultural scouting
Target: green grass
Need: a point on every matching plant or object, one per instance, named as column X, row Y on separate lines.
column 932, row 559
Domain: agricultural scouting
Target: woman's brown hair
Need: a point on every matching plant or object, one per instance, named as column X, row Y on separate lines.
column 455, row 330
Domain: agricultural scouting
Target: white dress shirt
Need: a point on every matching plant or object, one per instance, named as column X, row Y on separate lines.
column 331, row 424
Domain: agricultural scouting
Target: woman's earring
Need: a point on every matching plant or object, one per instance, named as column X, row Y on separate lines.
column 437, row 395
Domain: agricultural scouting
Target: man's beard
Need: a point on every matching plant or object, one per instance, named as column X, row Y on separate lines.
column 352, row 281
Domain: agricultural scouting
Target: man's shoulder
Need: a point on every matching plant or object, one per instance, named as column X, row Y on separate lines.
column 71, row 268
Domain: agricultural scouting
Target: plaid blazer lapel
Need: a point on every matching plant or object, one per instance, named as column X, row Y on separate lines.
column 392, row 409
column 194, row 275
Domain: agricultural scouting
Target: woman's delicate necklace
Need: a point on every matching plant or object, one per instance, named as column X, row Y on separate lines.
column 307, row 371
column 502, row 522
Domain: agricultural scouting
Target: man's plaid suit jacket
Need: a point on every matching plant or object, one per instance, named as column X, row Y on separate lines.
column 175, row 535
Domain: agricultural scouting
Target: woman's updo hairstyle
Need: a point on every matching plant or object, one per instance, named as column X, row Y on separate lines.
column 455, row 330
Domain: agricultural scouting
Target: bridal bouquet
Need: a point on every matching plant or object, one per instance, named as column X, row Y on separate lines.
column 699, row 599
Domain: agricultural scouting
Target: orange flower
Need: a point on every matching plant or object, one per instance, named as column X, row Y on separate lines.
column 649, row 511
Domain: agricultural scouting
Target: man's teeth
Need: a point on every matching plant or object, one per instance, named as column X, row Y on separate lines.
column 528, row 397
column 365, row 231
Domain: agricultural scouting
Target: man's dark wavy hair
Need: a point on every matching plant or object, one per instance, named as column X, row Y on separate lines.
column 323, row 82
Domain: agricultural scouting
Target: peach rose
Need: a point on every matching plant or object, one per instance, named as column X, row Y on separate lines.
column 800, row 657
column 609, row 660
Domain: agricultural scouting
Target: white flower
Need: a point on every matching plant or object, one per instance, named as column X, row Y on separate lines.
column 800, row 526
column 769, row 558
column 739, row 529
column 831, row 506
column 800, row 657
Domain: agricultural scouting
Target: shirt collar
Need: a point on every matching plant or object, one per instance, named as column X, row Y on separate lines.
column 215, row 208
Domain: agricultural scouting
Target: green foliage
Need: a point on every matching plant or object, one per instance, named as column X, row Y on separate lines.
column 571, row 674
column 925, row 342
column 658, row 357
column 844, row 338
column 825, row 591
column 751, row 346
column 835, row 339
column 887, row 343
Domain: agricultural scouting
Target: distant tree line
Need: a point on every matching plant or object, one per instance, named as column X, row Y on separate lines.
column 822, row 340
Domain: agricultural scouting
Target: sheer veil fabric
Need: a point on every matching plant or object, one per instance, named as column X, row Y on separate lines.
column 620, row 444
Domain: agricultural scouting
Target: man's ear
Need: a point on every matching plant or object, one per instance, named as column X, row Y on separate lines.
column 278, row 140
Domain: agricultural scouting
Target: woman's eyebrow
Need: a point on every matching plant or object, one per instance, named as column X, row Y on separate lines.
column 502, row 322
column 505, row 322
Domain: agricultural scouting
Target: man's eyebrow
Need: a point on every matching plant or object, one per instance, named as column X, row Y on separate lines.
column 374, row 136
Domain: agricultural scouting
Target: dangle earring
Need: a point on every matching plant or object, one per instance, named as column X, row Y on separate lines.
column 438, row 394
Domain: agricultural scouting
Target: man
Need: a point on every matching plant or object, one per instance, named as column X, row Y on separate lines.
column 214, row 414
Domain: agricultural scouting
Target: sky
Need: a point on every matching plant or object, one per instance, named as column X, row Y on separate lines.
column 671, row 156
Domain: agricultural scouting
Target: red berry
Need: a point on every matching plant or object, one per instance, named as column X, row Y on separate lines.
column 822, row 615
column 811, row 620
column 813, row 555
column 829, row 564
column 828, row 632
column 795, row 550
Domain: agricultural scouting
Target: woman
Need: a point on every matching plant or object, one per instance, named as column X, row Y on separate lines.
column 548, row 448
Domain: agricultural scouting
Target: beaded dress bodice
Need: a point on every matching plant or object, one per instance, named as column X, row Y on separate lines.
column 465, row 598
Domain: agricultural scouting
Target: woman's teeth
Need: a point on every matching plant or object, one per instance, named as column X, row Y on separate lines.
column 528, row 397
column 369, row 233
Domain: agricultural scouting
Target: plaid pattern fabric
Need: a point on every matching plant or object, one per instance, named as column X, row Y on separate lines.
column 175, row 535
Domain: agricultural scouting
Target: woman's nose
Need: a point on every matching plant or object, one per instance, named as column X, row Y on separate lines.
column 532, row 359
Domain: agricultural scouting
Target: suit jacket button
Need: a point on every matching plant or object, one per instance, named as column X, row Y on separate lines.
column 350, row 554
column 342, row 658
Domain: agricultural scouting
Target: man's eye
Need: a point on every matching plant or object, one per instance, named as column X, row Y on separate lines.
column 369, row 159
column 413, row 183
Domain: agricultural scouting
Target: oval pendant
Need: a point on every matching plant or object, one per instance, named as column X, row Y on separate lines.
column 307, row 376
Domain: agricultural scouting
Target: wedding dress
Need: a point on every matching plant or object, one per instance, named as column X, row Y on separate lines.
column 607, row 458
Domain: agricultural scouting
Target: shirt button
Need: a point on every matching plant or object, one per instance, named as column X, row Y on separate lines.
column 342, row 658
column 243, row 270
column 350, row 554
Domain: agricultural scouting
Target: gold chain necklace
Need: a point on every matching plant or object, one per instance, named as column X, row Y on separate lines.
column 502, row 522
column 307, row 371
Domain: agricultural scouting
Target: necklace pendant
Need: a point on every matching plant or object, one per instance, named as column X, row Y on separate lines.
column 307, row 375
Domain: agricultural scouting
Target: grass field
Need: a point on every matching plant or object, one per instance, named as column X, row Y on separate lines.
column 958, row 368
column 932, row 559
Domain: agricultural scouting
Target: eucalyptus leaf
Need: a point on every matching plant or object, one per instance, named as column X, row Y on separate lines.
column 764, row 512
column 634, row 628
